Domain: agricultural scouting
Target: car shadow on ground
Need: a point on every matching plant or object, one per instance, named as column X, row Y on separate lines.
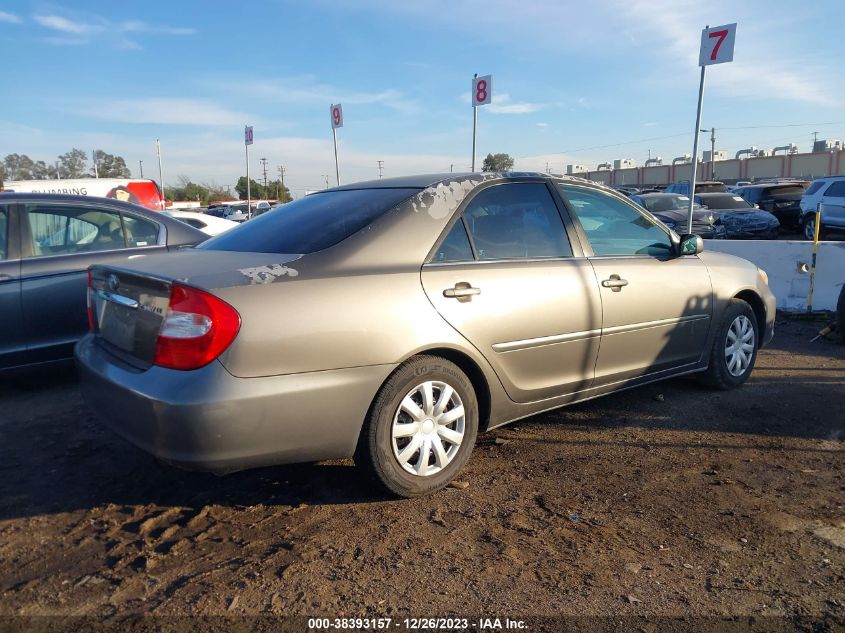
column 55, row 456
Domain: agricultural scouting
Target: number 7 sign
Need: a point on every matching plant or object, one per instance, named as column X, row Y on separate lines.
column 717, row 45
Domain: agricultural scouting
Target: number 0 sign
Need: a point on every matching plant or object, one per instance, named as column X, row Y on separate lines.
column 717, row 45
column 482, row 90
column 337, row 116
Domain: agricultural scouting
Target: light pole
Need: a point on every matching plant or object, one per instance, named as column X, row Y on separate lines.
column 141, row 165
column 712, row 131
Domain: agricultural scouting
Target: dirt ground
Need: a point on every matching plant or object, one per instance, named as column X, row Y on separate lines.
column 666, row 500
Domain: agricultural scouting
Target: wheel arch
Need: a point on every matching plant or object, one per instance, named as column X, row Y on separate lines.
column 756, row 302
column 472, row 370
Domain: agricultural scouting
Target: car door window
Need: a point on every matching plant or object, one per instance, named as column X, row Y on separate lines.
column 62, row 230
column 140, row 232
column 4, row 234
column 516, row 221
column 614, row 227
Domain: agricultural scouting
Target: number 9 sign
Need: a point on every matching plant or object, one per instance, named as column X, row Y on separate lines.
column 482, row 90
column 337, row 115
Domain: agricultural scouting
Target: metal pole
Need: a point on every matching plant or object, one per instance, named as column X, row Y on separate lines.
column 815, row 252
column 695, row 149
column 248, row 192
column 141, row 165
column 336, row 166
column 94, row 158
column 474, row 130
column 160, row 171
column 712, row 153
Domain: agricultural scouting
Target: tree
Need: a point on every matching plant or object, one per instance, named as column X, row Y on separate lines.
column 256, row 191
column 277, row 189
column 110, row 166
column 497, row 162
column 18, row 167
column 73, row 163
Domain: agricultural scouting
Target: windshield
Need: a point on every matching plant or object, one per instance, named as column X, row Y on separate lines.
column 726, row 201
column 311, row 223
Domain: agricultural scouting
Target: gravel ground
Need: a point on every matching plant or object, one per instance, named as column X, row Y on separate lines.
column 666, row 500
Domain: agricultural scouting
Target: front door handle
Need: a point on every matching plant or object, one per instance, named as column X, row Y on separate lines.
column 5, row 277
column 615, row 283
column 462, row 291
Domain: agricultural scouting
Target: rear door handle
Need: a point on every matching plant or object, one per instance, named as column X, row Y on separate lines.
column 615, row 283
column 462, row 291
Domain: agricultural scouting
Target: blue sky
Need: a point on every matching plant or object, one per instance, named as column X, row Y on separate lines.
column 570, row 79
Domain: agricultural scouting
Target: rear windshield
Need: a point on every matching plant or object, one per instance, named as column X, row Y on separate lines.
column 311, row 223
column 656, row 204
column 726, row 201
column 710, row 187
column 790, row 190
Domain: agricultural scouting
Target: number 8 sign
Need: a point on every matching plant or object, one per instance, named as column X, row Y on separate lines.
column 482, row 90
column 717, row 45
column 337, row 116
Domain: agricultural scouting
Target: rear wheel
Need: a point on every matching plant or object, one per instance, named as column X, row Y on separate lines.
column 809, row 226
column 421, row 427
column 734, row 349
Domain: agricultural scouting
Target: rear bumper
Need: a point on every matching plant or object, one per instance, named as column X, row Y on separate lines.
column 210, row 420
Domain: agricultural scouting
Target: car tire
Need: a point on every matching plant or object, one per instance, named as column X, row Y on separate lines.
column 734, row 348
column 409, row 418
column 808, row 227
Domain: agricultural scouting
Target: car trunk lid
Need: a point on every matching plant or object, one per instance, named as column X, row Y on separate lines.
column 129, row 303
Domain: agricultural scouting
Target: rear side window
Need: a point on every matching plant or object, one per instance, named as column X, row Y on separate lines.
column 140, row 232
column 4, row 234
column 836, row 190
column 514, row 221
column 815, row 186
column 311, row 223
column 455, row 248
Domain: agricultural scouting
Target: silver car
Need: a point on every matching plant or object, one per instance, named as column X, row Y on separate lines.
column 393, row 320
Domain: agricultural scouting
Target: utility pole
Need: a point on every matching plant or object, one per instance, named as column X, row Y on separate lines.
column 326, row 176
column 451, row 168
column 141, row 165
column 282, row 171
column 548, row 170
column 712, row 131
column 58, row 172
column 263, row 162
column 94, row 158
column 380, row 167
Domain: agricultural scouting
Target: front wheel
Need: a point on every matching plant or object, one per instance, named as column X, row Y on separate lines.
column 421, row 427
column 734, row 349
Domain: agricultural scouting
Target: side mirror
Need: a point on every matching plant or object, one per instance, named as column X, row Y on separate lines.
column 691, row 244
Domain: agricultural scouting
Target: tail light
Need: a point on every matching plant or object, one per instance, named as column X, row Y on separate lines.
column 196, row 329
column 90, row 301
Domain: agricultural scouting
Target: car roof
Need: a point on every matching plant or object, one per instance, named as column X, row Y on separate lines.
column 662, row 194
column 784, row 183
column 421, row 181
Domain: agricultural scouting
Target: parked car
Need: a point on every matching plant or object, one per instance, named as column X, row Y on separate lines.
column 205, row 222
column 830, row 192
column 236, row 212
column 395, row 319
column 742, row 220
column 673, row 210
column 46, row 244
column 780, row 199
column 701, row 186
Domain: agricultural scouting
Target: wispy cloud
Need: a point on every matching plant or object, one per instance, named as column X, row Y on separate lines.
column 503, row 104
column 11, row 18
column 161, row 111
column 307, row 90
column 542, row 124
column 82, row 26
